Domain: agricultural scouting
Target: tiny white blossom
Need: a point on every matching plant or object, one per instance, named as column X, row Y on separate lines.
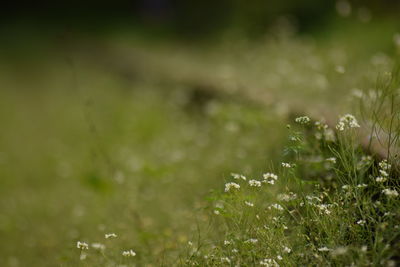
column 346, row 122
column 229, row 186
column 227, row 242
column 390, row 192
column 331, row 160
column 251, row 240
column 286, row 165
column 362, row 185
column 98, row 246
column 237, row 176
column 249, row 204
column 302, row 120
column 225, row 259
column 287, row 250
column 279, row 257
column 361, row 222
column 129, row 253
column 83, row 256
column 276, row 206
column 216, row 212
column 380, row 179
column 235, row 250
column 110, row 235
column 324, row 249
column 384, row 173
column 384, row 165
column 82, row 245
column 255, row 183
column 269, row 263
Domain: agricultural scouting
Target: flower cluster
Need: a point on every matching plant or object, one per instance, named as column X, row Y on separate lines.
column 237, row 176
column 270, row 178
column 82, row 245
column 302, row 120
column 254, row 183
column 347, row 121
column 229, row 186
column 129, row 253
column 384, row 168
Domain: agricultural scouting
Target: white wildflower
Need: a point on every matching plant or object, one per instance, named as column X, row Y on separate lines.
column 383, row 173
column 390, row 192
column 279, row 257
column 190, row 243
column 384, row 165
column 269, row 263
column 302, row 120
column 251, row 240
column 225, row 259
column 339, row 251
column 287, row 165
column 362, row 185
column 82, row 245
column 380, row 179
column 98, row 246
column 276, row 206
column 323, row 249
column 287, row 197
column 129, row 253
column 229, row 186
column 255, row 183
column 249, row 204
column 227, row 242
column 237, row 176
column 287, row 250
column 110, row 235
column 331, row 160
column 361, row 222
column 216, row 212
column 83, row 256
column 235, row 250
column 346, row 122
column 270, row 178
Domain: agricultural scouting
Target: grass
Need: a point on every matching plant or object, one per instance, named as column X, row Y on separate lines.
column 85, row 152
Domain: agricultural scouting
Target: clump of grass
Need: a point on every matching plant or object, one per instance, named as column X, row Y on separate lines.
column 328, row 204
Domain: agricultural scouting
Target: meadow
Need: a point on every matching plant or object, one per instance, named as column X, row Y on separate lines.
column 234, row 153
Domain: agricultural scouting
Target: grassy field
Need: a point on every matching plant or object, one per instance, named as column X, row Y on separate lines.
column 103, row 168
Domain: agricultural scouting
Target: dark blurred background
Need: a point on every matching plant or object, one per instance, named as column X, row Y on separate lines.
column 189, row 19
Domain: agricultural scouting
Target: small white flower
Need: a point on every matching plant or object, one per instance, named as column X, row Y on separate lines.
column 346, row 122
column 269, row 263
column 255, row 183
column 383, row 173
column 227, row 242
column 361, row 185
column 216, row 212
column 110, row 235
column 345, row 187
column 286, row 165
column 380, row 179
column 390, row 192
column 276, row 206
column 331, row 160
column 287, row 250
column 249, row 204
column 384, row 165
column 302, row 120
column 339, row 251
column 287, row 197
column 82, row 245
column 83, row 256
column 129, row 253
column 361, row 222
column 324, row 249
column 237, row 176
column 98, row 246
column 279, row 257
column 229, row 186
column 190, row 243
column 225, row 259
column 251, row 240
column 235, row 250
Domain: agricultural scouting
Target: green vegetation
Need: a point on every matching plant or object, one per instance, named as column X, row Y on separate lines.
column 130, row 151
